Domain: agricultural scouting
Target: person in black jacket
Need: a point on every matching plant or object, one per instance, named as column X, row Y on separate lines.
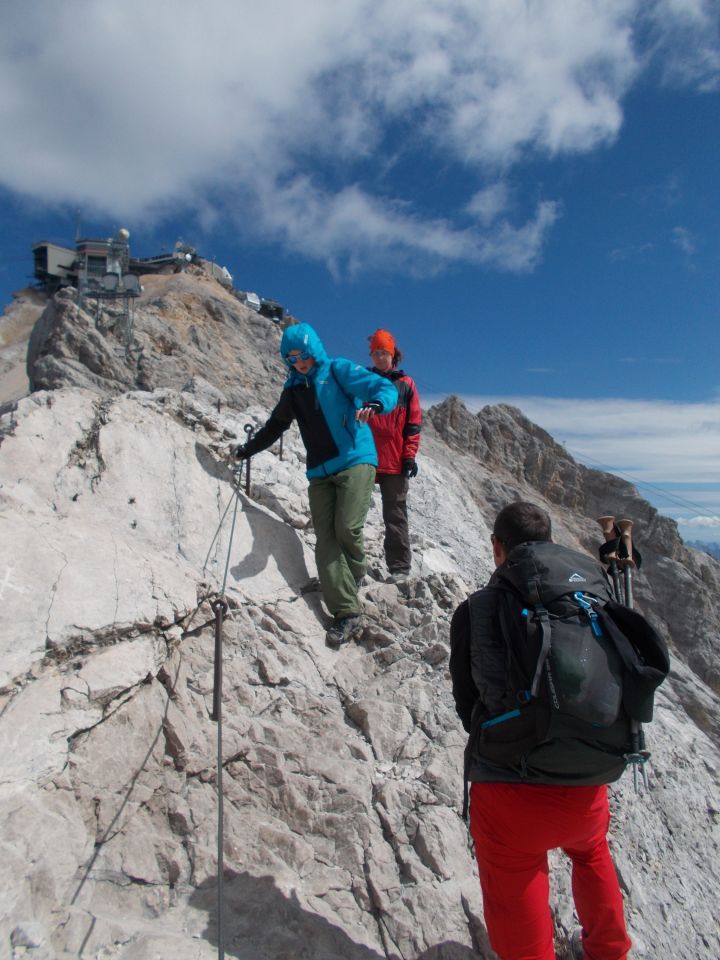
column 514, row 823
column 332, row 401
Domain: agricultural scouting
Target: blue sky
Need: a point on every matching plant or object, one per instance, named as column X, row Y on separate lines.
column 526, row 193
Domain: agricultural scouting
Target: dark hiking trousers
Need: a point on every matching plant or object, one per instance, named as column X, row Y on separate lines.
column 394, row 490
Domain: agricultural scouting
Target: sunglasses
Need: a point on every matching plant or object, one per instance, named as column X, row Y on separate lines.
column 300, row 356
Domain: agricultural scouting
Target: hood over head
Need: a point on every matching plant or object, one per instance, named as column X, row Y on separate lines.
column 301, row 336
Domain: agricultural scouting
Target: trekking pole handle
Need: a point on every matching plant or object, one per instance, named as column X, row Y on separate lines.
column 610, row 533
column 626, row 535
column 608, row 527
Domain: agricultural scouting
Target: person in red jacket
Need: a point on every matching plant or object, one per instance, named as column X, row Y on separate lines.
column 397, row 439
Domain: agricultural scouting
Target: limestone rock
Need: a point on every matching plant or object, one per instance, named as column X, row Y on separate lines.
column 341, row 770
column 16, row 325
column 182, row 330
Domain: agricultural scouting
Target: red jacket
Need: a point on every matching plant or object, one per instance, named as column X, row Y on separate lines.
column 397, row 433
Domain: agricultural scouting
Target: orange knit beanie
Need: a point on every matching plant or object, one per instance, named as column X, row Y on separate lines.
column 382, row 340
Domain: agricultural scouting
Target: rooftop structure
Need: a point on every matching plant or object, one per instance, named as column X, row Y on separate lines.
column 104, row 269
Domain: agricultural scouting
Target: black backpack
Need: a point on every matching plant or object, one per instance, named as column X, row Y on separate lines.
column 582, row 671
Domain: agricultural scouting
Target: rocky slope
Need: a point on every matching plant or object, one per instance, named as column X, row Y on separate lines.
column 16, row 325
column 183, row 325
column 342, row 770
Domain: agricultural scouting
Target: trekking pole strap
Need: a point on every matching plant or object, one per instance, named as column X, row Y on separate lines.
column 615, row 574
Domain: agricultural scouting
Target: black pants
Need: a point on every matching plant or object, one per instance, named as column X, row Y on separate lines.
column 394, row 489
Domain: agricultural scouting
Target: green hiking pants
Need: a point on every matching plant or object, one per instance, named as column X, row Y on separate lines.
column 338, row 506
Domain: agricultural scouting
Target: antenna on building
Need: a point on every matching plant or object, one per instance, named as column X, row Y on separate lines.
column 77, row 224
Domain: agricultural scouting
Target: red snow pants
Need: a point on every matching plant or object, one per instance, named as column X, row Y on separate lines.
column 514, row 826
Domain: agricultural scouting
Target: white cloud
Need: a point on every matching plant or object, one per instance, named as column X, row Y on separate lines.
column 644, row 361
column 135, row 109
column 670, row 451
column 348, row 226
column 709, row 523
column 684, row 239
column 652, row 440
column 636, row 252
column 703, row 528
column 687, row 41
column 487, row 204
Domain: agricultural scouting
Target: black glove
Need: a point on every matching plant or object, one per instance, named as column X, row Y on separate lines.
column 373, row 405
column 240, row 452
column 409, row 468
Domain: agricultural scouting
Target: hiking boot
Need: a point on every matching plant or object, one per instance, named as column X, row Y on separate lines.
column 312, row 586
column 398, row 576
column 339, row 631
column 576, row 947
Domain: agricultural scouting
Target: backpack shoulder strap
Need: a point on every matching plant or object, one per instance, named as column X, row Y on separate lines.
column 508, row 613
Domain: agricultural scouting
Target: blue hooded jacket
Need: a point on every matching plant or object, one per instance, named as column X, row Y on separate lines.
column 324, row 402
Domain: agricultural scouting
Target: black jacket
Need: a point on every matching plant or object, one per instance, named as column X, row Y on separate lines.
column 515, row 737
column 479, row 669
column 324, row 403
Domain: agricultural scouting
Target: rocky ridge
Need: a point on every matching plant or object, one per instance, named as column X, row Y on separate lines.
column 342, row 770
column 16, row 325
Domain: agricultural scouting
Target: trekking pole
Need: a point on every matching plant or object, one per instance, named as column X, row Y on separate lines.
column 610, row 533
column 628, row 562
column 639, row 756
column 220, row 608
column 249, row 430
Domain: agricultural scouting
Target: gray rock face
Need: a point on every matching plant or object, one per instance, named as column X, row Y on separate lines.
column 520, row 453
column 16, row 325
column 341, row 770
column 182, row 326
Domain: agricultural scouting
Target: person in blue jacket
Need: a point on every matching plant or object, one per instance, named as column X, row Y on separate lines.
column 332, row 401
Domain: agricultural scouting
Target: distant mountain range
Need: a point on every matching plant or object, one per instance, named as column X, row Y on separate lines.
column 713, row 549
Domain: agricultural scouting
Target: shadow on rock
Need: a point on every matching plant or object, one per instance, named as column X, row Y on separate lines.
column 212, row 464
column 271, row 536
column 262, row 923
